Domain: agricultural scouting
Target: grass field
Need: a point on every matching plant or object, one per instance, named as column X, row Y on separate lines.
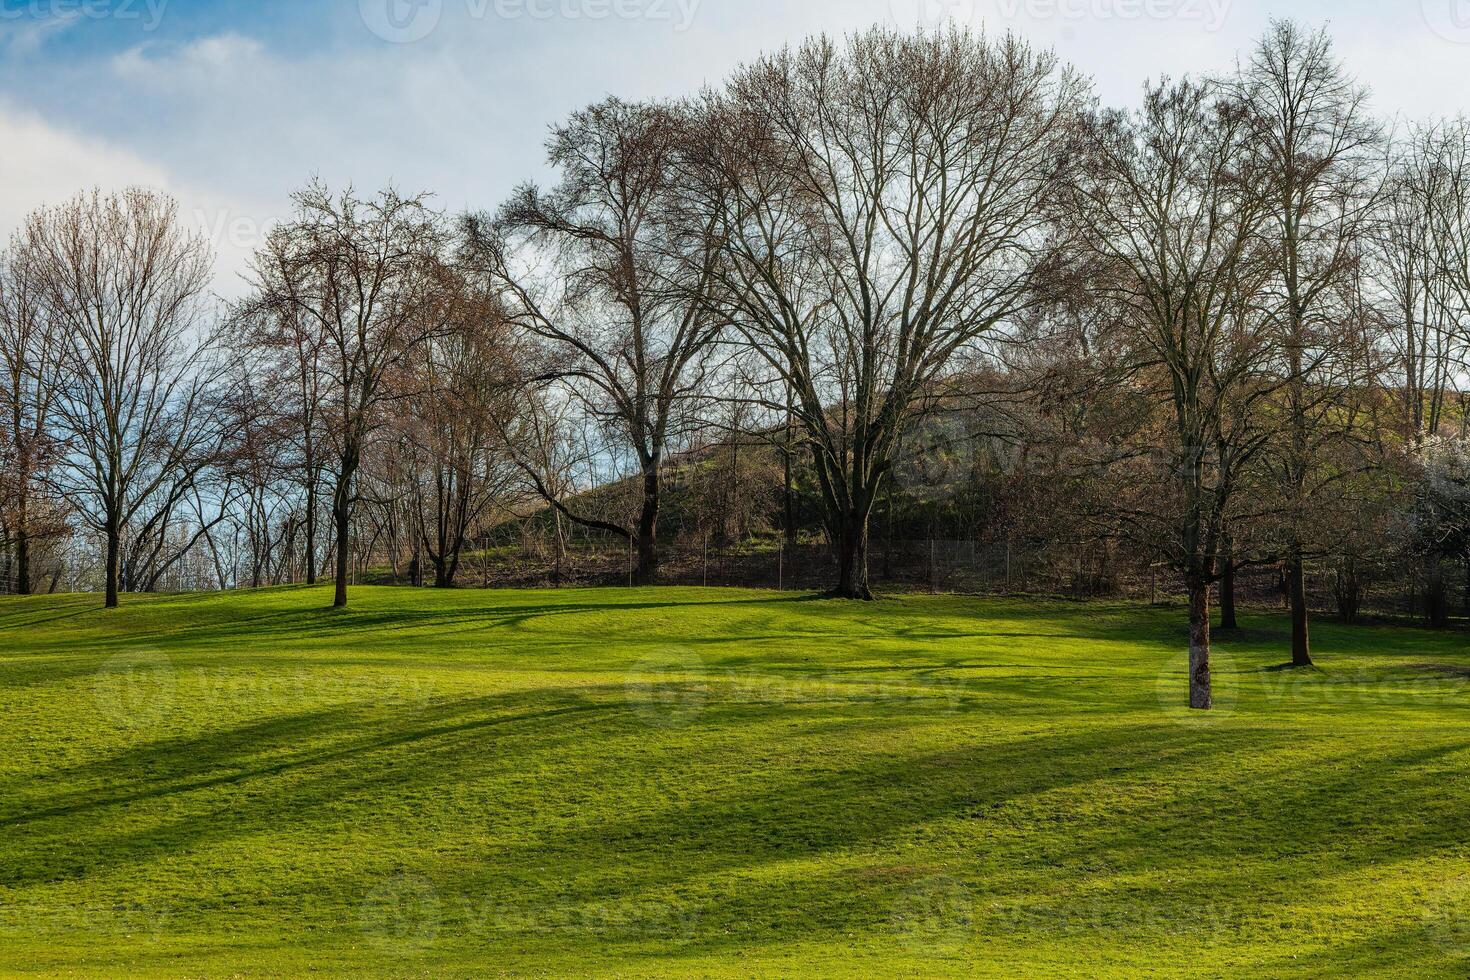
column 718, row 783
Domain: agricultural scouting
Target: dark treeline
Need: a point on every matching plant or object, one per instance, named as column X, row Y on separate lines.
column 893, row 288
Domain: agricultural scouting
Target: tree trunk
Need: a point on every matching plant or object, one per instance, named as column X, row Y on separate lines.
column 1296, row 583
column 343, row 519
column 342, row 515
column 648, row 528
column 1467, row 586
column 1437, row 597
column 1201, row 694
column 788, row 498
column 1349, row 590
column 561, row 549
column 311, row 532
column 22, row 561
column 113, row 549
column 1228, row 620
column 851, row 546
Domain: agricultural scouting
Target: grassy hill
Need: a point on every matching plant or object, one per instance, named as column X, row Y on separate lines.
column 712, row 783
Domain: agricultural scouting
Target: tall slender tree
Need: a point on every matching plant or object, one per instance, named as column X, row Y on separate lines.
column 621, row 298
column 1165, row 205
column 1317, row 151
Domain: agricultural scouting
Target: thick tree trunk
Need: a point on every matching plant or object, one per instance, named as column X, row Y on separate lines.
column 1201, row 694
column 850, row 544
column 648, row 529
column 1296, row 584
column 342, row 516
column 114, row 547
column 343, row 520
column 311, row 505
column 22, row 561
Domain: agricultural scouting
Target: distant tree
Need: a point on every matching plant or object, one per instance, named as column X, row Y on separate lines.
column 285, row 352
column 28, row 376
column 1414, row 262
column 1440, row 521
column 621, row 297
column 123, row 284
column 357, row 284
column 1316, row 154
column 464, row 381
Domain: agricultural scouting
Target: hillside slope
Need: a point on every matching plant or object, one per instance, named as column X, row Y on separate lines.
column 718, row 783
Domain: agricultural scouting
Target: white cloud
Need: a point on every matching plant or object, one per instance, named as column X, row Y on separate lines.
column 252, row 111
column 215, row 59
column 43, row 165
column 22, row 38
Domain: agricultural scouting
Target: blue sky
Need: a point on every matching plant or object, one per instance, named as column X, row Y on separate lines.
column 229, row 104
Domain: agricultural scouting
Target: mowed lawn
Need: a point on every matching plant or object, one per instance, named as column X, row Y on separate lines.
column 719, row 783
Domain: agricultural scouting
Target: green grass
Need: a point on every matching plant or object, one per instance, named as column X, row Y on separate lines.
column 719, row 783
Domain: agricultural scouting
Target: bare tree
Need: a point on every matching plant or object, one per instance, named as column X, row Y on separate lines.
column 1168, row 213
column 1452, row 240
column 28, row 348
column 362, row 280
column 464, row 383
column 123, row 283
column 884, row 206
column 1317, row 151
column 1415, row 260
column 286, row 351
column 622, row 301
